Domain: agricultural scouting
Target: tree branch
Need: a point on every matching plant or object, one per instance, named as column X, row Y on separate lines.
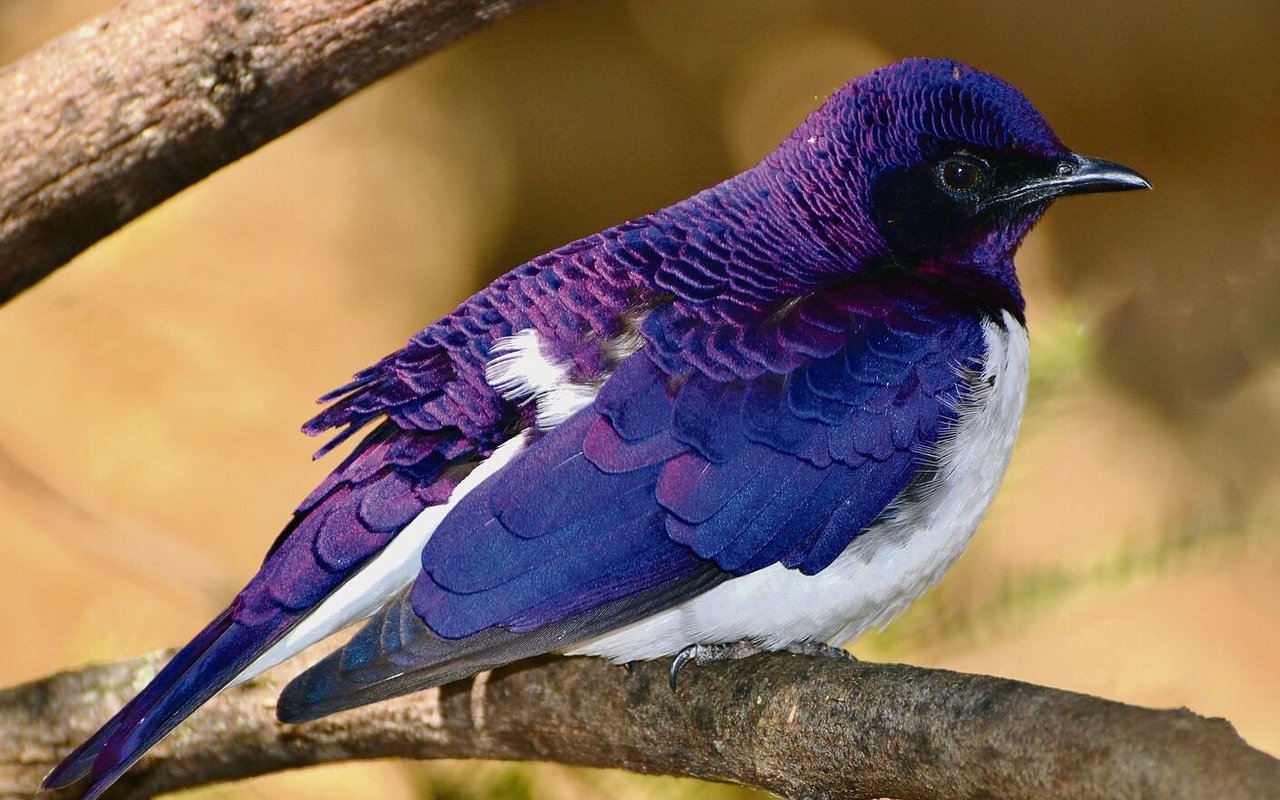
column 120, row 114
column 796, row 726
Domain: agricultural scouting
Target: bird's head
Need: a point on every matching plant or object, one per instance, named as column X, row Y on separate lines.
column 930, row 164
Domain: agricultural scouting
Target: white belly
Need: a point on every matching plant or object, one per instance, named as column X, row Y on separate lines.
column 884, row 569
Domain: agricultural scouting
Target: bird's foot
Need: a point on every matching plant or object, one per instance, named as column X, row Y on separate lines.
column 711, row 653
column 702, row 654
column 820, row 650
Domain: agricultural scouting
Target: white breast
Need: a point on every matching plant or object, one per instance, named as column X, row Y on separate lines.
column 885, row 568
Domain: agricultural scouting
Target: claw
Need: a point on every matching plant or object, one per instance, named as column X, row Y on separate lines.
column 711, row 653
column 686, row 655
column 731, row 651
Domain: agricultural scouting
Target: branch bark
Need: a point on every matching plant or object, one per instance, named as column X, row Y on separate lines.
column 796, row 726
column 120, row 114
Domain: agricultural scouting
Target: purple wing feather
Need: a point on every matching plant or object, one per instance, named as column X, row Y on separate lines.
column 440, row 418
column 672, row 479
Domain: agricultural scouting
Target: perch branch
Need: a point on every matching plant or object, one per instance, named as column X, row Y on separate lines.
column 125, row 111
column 796, row 726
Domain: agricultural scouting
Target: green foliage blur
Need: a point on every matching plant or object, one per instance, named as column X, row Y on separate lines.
column 152, row 390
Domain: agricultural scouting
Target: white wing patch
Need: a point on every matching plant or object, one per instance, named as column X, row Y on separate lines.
column 521, row 372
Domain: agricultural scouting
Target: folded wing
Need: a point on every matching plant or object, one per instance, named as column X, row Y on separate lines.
column 670, row 483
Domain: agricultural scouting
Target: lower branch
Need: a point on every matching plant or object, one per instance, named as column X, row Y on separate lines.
column 797, row 726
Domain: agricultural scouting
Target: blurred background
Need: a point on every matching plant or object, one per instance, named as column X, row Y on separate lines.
column 152, row 391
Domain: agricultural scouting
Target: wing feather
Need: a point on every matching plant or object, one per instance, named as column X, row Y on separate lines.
column 669, row 483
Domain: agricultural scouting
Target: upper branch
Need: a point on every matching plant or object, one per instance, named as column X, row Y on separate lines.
column 118, row 115
column 797, row 726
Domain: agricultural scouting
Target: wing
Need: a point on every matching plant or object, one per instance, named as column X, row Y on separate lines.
column 668, row 484
column 440, row 419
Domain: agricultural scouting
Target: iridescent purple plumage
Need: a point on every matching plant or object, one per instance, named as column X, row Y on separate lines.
column 779, row 360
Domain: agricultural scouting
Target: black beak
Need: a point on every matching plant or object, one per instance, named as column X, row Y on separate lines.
column 1084, row 175
column 1074, row 174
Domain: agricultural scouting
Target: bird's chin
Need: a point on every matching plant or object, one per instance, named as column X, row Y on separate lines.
column 1010, row 229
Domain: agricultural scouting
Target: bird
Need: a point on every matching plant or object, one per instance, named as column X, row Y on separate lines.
column 766, row 417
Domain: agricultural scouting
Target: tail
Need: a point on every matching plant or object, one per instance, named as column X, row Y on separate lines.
column 198, row 672
column 355, row 542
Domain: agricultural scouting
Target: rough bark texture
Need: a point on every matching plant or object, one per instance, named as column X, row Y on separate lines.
column 800, row 727
column 107, row 121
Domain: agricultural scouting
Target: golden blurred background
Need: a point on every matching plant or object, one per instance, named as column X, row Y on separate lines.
column 152, row 390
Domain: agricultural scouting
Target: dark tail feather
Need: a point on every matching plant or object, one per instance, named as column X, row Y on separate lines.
column 394, row 654
column 78, row 763
column 397, row 653
column 196, row 673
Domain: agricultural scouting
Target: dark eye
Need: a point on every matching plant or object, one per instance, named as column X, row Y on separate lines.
column 961, row 174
